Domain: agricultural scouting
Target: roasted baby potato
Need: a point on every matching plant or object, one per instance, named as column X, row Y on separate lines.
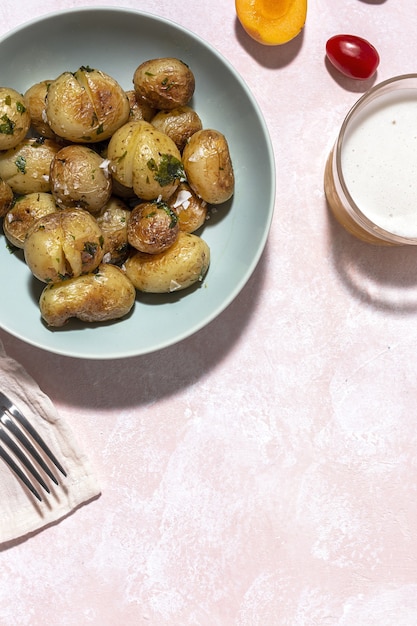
column 80, row 178
column 6, row 197
column 26, row 167
column 190, row 208
column 63, row 245
column 25, row 211
column 145, row 160
column 208, row 166
column 139, row 110
column 14, row 118
column 179, row 124
column 35, row 98
column 86, row 106
column 182, row 265
column 153, row 227
column 165, row 83
column 103, row 295
column 113, row 220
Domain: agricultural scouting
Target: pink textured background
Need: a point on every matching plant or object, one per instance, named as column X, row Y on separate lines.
column 262, row 472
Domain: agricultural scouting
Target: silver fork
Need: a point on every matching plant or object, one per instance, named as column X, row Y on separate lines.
column 25, row 445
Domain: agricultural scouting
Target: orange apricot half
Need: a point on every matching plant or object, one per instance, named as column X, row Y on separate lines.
column 272, row 22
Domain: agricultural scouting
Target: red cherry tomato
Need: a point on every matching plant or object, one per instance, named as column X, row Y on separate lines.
column 352, row 56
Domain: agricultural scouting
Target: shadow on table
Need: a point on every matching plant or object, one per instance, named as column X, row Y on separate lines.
column 349, row 84
column 383, row 276
column 136, row 381
column 272, row 57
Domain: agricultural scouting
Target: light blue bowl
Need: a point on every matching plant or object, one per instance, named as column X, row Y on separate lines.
column 117, row 41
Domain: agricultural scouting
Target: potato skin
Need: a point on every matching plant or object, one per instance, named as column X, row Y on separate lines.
column 14, row 118
column 179, row 124
column 208, row 166
column 26, row 210
column 63, row 245
column 152, row 227
column 6, row 197
column 164, row 83
column 121, row 151
column 86, row 106
column 190, row 208
column 113, row 219
column 103, row 295
column 26, row 167
column 145, row 160
column 182, row 265
column 35, row 98
column 139, row 110
column 80, row 178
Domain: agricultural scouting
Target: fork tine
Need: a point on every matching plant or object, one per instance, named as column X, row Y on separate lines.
column 16, row 469
column 14, row 412
column 9, row 423
column 22, row 458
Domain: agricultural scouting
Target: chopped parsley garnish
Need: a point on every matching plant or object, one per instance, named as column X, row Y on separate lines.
column 21, row 164
column 164, row 207
column 122, row 156
column 166, row 84
column 6, row 125
column 169, row 169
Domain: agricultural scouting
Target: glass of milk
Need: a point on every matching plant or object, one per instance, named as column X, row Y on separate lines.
column 371, row 174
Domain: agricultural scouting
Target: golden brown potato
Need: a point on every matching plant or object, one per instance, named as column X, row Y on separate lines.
column 103, row 295
column 26, row 210
column 179, row 124
column 26, row 167
column 113, row 220
column 121, row 151
column 191, row 210
column 121, row 191
column 153, row 227
column 165, row 83
column 145, row 160
column 80, row 177
column 6, row 197
column 139, row 110
column 208, row 166
column 182, row 265
column 86, row 106
column 14, row 118
column 63, row 245
column 35, row 98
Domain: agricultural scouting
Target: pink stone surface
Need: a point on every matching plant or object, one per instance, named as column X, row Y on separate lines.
column 263, row 471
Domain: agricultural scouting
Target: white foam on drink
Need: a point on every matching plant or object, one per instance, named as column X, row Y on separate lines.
column 379, row 162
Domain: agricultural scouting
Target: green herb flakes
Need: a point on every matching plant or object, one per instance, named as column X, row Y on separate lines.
column 169, row 169
column 6, row 125
column 21, row 164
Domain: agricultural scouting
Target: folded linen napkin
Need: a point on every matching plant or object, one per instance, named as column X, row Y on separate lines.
column 20, row 512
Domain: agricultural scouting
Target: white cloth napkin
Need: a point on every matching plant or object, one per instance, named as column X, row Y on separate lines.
column 20, row 512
